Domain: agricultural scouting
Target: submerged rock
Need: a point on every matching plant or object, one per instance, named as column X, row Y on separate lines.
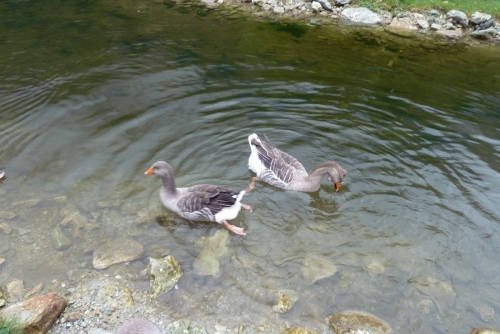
column 317, row 267
column 207, row 262
column 357, row 322
column 116, row 251
column 484, row 331
column 286, row 300
column 163, row 274
column 59, row 239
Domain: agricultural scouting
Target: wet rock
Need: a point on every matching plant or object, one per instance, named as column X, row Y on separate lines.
column 116, row 251
column 361, row 16
column 458, row 17
column 163, row 274
column 36, row 289
column 59, row 239
column 30, row 203
column 37, row 314
column 15, row 288
column 2, row 260
column 286, row 300
column 5, row 228
column 486, row 312
column 317, row 267
column 76, row 221
column 357, row 322
column 298, row 330
column 484, row 331
column 139, row 326
column 213, row 248
column 7, row 215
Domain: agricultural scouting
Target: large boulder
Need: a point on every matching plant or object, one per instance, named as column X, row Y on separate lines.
column 38, row 314
column 361, row 16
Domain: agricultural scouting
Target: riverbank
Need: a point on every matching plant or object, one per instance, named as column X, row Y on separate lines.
column 451, row 26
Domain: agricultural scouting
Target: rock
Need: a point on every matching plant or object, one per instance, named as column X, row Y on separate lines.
column 403, row 23
column 342, row 2
column 286, row 299
column 450, row 34
column 478, row 18
column 36, row 289
column 30, row 203
column 279, row 10
column 325, row 4
column 2, row 260
column 59, row 239
column 422, row 24
column 7, row 215
column 484, row 331
column 361, row 15
column 458, row 17
column 76, row 221
column 317, row 267
column 485, row 34
column 436, row 26
column 298, row 330
column 116, row 251
column 15, row 288
column 163, row 274
column 37, row 314
column 207, row 261
column 139, row 326
column 5, row 228
column 316, row 6
column 357, row 322
column 115, row 296
column 485, row 25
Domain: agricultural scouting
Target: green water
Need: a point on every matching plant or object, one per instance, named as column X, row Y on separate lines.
column 93, row 92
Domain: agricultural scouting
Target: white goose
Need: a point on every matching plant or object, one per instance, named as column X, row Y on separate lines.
column 204, row 202
column 281, row 170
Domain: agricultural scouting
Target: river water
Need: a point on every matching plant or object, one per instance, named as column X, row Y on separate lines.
column 92, row 93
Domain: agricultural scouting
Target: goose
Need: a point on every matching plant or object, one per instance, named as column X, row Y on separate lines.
column 204, row 202
column 2, row 173
column 282, row 170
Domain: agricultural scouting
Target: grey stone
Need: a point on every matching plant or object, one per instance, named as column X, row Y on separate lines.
column 342, row 2
column 207, row 261
column 163, row 274
column 485, row 34
column 325, row 4
column 59, row 239
column 357, row 322
column 458, row 17
column 116, row 251
column 317, row 267
column 361, row 16
column 422, row 24
column 478, row 17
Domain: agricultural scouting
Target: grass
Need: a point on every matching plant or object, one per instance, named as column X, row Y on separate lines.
column 468, row 6
column 10, row 327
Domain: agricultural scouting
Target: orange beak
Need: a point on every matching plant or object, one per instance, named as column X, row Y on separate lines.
column 337, row 186
column 149, row 171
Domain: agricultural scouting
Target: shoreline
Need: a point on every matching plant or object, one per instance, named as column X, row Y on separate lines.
column 478, row 29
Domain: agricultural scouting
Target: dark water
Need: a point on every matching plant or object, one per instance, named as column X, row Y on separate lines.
column 92, row 93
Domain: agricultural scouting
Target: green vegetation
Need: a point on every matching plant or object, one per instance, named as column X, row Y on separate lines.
column 10, row 327
column 468, row 6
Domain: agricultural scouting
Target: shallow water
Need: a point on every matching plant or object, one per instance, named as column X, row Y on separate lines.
column 93, row 93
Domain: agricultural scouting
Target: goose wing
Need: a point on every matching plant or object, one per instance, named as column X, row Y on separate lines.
column 283, row 165
column 203, row 202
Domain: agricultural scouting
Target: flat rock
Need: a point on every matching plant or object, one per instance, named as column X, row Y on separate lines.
column 357, row 322
column 116, row 251
column 403, row 23
column 37, row 314
column 207, row 261
column 317, row 267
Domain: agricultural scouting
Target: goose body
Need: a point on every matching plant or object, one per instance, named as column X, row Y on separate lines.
column 282, row 170
column 204, row 202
